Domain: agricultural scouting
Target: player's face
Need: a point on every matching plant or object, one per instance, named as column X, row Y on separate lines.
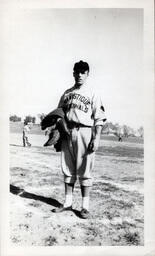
column 80, row 77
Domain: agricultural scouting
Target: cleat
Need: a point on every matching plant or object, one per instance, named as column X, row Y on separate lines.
column 62, row 209
column 84, row 214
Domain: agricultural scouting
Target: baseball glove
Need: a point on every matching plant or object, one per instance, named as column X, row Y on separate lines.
column 62, row 127
column 51, row 118
column 47, row 122
column 54, row 136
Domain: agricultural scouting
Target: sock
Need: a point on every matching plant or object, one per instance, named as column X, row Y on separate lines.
column 85, row 202
column 68, row 200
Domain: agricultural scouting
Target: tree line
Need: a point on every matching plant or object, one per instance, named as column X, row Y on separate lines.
column 122, row 130
column 28, row 119
column 109, row 128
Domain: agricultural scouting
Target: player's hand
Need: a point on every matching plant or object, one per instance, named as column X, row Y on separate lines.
column 93, row 145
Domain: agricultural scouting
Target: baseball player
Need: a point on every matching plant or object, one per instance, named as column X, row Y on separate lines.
column 26, row 130
column 85, row 117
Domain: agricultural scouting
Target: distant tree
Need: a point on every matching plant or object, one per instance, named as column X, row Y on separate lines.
column 41, row 116
column 33, row 120
column 126, row 131
column 30, row 119
column 112, row 126
column 141, row 131
column 105, row 129
column 15, row 118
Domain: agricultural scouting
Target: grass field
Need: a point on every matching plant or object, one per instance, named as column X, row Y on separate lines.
column 36, row 186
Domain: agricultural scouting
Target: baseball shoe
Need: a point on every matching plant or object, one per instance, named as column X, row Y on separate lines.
column 84, row 214
column 62, row 209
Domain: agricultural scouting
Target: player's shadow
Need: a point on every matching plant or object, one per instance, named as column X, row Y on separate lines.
column 22, row 193
column 77, row 213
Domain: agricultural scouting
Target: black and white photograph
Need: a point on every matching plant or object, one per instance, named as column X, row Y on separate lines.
column 77, row 134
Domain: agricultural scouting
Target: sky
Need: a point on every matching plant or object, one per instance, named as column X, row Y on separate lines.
column 42, row 46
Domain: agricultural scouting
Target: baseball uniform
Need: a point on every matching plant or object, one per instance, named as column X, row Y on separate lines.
column 84, row 110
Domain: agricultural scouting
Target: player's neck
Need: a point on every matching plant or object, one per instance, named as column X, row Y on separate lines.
column 78, row 86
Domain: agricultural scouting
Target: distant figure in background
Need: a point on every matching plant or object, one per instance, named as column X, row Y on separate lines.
column 119, row 138
column 26, row 130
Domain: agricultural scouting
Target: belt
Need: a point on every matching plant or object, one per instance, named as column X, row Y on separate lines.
column 72, row 125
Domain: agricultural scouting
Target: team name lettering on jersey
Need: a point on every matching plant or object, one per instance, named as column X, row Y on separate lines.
column 74, row 100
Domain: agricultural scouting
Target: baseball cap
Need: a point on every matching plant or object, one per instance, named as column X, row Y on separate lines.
column 81, row 66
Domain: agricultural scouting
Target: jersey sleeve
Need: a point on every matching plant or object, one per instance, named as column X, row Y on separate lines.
column 98, row 111
column 61, row 102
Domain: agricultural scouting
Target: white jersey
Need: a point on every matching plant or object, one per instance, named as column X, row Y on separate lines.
column 83, row 106
column 26, row 130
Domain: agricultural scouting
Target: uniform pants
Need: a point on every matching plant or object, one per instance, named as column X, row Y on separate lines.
column 25, row 141
column 76, row 161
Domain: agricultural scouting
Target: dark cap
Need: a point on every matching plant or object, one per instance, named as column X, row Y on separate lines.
column 81, row 66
